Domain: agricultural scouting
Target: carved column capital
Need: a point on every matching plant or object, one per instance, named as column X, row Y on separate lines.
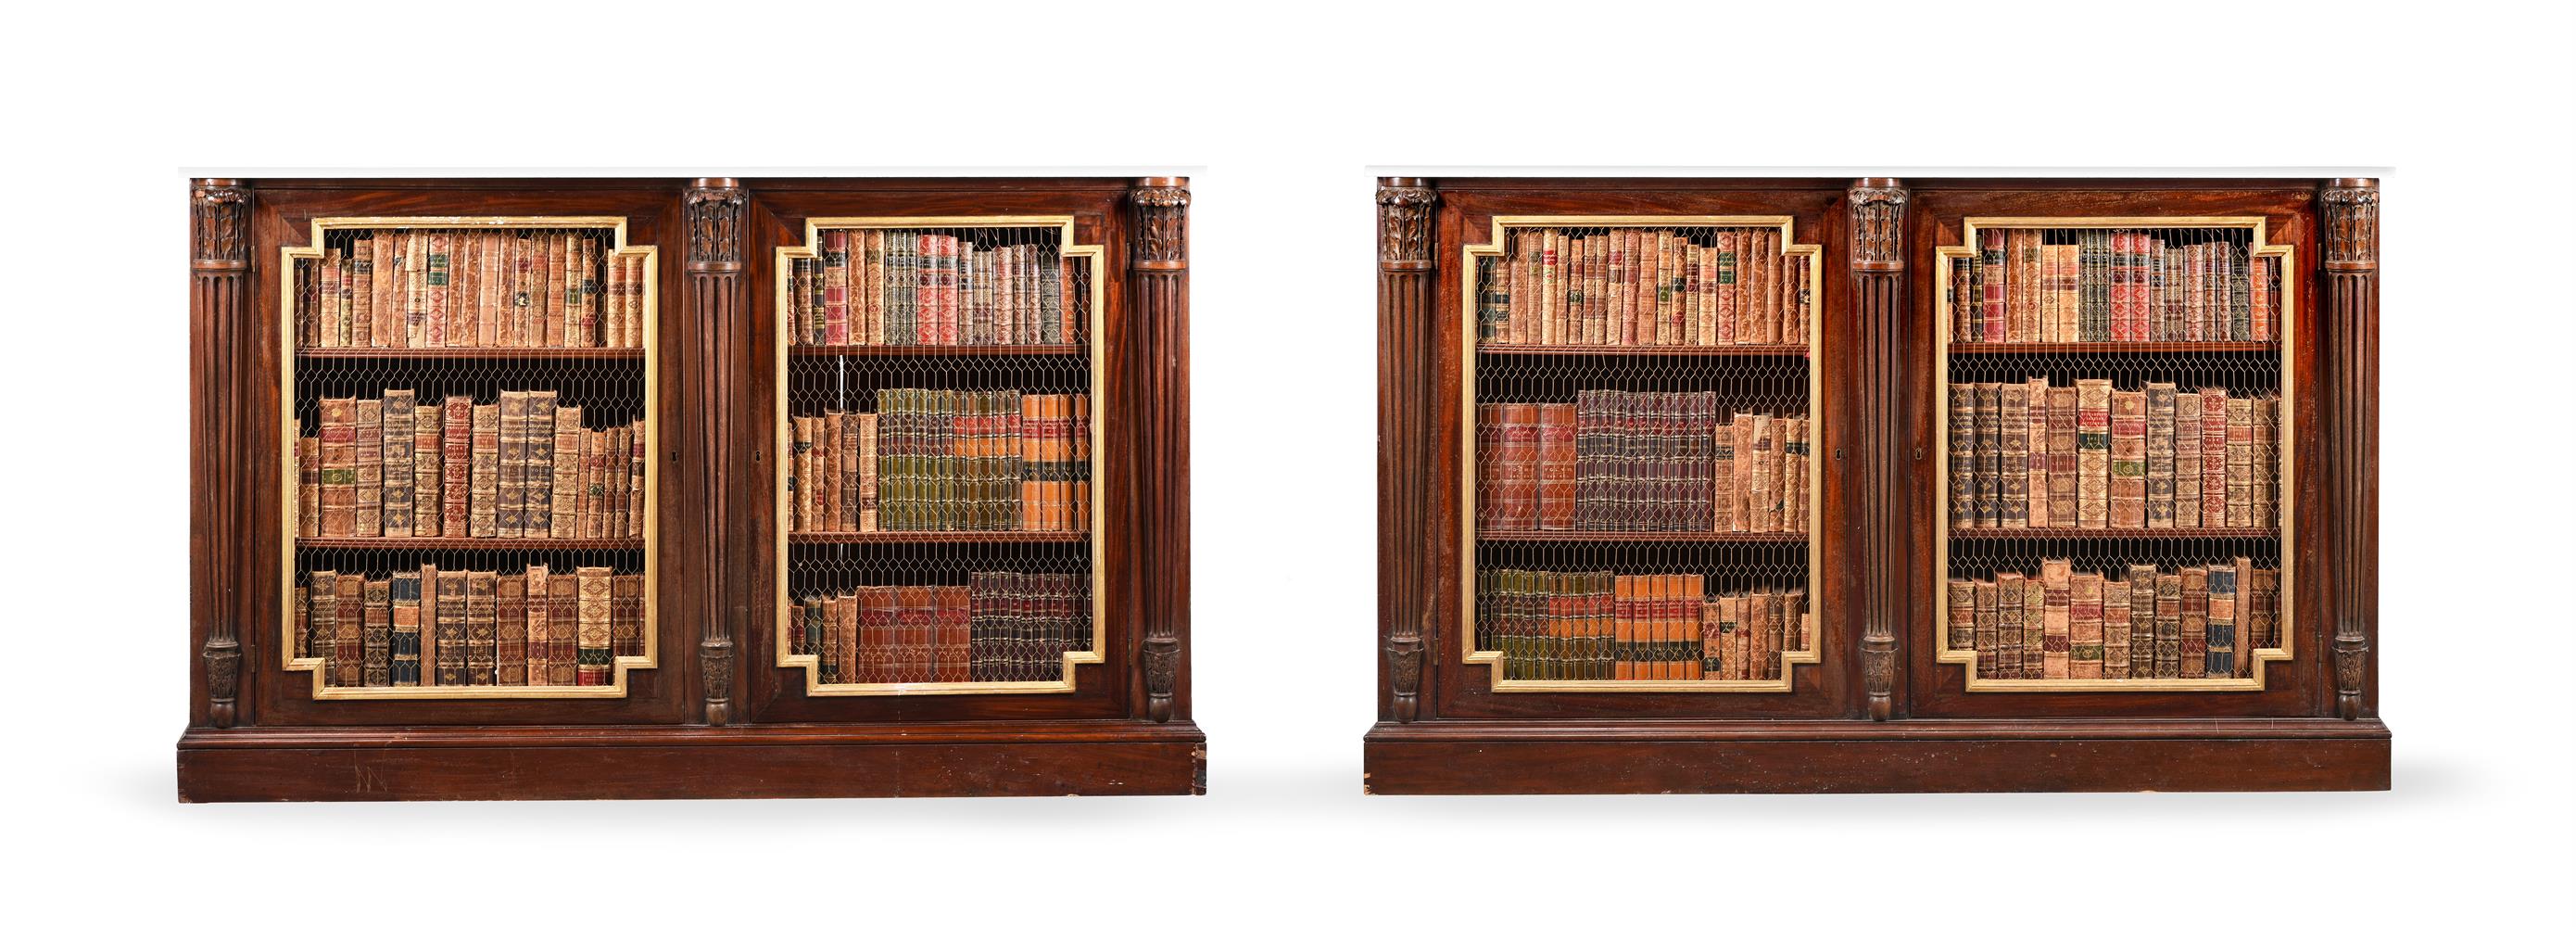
column 2348, row 210
column 1404, row 675
column 714, row 208
column 1162, row 206
column 1162, row 661
column 1404, row 207
column 219, row 224
column 1877, row 224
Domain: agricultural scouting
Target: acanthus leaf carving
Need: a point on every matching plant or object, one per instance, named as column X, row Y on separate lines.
column 715, row 223
column 1404, row 674
column 219, row 223
column 1877, row 217
column 2351, row 220
column 1162, row 662
column 1162, row 231
column 1404, row 223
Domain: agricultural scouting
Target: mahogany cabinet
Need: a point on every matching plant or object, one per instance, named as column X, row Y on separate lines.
column 560, row 440
column 1556, row 614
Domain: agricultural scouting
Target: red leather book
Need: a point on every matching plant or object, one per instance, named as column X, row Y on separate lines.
column 868, row 630
column 953, row 658
column 456, row 462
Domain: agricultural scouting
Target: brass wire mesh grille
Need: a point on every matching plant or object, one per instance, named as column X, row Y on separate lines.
column 936, row 480
column 1639, row 463
column 2115, row 403
column 468, row 415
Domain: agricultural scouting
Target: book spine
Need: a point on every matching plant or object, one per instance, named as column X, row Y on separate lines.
column 2057, row 616
column 594, row 594
column 539, row 608
column 403, row 644
column 2219, row 645
column 626, row 615
column 376, row 637
column 2192, row 657
column 2093, row 453
column 456, row 465
column 1963, row 455
column 449, row 628
column 401, row 418
column 2084, row 626
column 482, row 630
column 540, row 472
column 2034, row 628
column 510, row 630
column 338, row 431
column 2116, row 638
column 2213, row 458
column 483, row 478
column 564, row 629
column 2161, row 402
column 2010, row 632
column 368, row 447
column 2033, row 424
column 1990, row 455
column 2012, row 423
column 2168, row 625
column 2240, row 463
column 1989, row 630
column 2128, row 459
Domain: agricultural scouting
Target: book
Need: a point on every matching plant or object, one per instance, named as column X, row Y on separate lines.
column 2110, row 285
column 2157, row 466
column 2057, row 617
column 2128, row 508
column 2093, row 453
column 2151, row 622
column 472, row 288
column 593, row 653
column 458, row 469
column 1641, row 287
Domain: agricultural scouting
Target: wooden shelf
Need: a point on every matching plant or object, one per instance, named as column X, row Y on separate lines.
column 1649, row 537
column 937, row 350
column 937, row 537
column 2105, row 534
column 432, row 544
column 1649, row 350
column 2116, row 347
column 469, row 353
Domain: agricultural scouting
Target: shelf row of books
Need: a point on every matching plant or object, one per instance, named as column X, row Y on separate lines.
column 539, row 627
column 1614, row 460
column 523, row 467
column 1639, row 287
column 439, row 288
column 2143, row 624
column 2112, row 285
column 999, row 627
column 2031, row 455
column 944, row 460
column 1598, row 625
column 896, row 287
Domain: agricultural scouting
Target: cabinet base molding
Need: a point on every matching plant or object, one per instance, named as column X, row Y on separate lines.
column 2040, row 755
column 780, row 761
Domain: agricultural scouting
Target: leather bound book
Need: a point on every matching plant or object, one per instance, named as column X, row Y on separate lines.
column 952, row 636
column 917, row 629
column 612, row 312
column 2012, row 424
column 1726, row 499
column 826, row 456
column 2240, row 303
column 1793, row 636
column 2034, row 628
column 1795, row 459
column 2024, row 309
column 339, row 435
column 553, row 264
column 308, row 487
column 2128, row 459
column 800, row 281
column 866, row 627
column 538, row 471
column 1623, row 628
column 832, row 665
column 510, row 630
column 989, row 628
column 2067, row 301
column 2116, row 636
column 626, row 615
column 1711, row 647
column 482, row 630
column 2195, row 293
column 1764, row 641
column 804, row 512
column 456, row 463
column 2213, row 458
column 510, row 502
column 403, row 644
column 483, row 477
column 563, row 633
column 358, row 277
column 429, row 643
column 1516, row 486
column 1036, row 466
column 1991, row 284
column 436, row 280
column 447, row 627
column 1990, row 455
column 2192, row 654
column 2160, row 455
column 2168, row 627
column 2093, row 453
column 1963, row 300
column 836, row 286
column 636, row 512
column 565, row 498
column 593, row 653
column 2184, row 422
column 1963, row 455
column 541, row 624
column 303, row 630
column 2219, row 649
column 2057, row 618
column 1988, row 605
column 1557, row 465
column 2264, row 596
column 1766, row 462
column 2240, row 463
column 367, row 446
column 2265, row 500
column 2263, row 323
column 376, row 641
column 2062, row 457
column 2010, row 634
column 428, row 475
column 2035, row 450
column 414, row 247
column 846, row 517
column 348, row 629
column 2084, row 626
column 2142, row 619
column 401, row 416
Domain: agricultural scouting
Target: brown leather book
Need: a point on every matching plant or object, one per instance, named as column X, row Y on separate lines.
column 2093, row 453
column 401, row 417
column 2056, row 577
column 348, row 665
column 2161, row 450
column 2213, row 457
column 2062, row 458
column 483, row 477
column 308, row 487
column 557, row 260
column 1988, row 612
column 594, row 595
column 482, row 627
column 2012, row 418
column 626, row 615
column 448, row 627
column 2036, row 452
column 804, row 433
column 2128, row 459
column 853, row 430
column 2187, row 459
column 405, row 645
column 2116, row 636
column 541, row 624
column 567, row 491
column 594, row 483
column 2192, row 652
column 2084, row 626
column 636, row 511
column 2009, row 625
column 2168, row 588
column 563, row 632
column 510, row 630
column 338, row 433
column 539, row 466
column 826, row 452
column 376, row 641
column 2034, row 628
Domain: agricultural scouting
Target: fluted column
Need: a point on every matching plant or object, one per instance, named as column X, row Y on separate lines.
column 1878, row 298
column 1158, row 287
column 718, row 291
column 1404, row 424
column 2348, row 213
column 219, row 486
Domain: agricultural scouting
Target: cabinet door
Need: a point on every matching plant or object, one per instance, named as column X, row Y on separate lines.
column 1635, row 397
column 461, row 450
column 2116, row 412
column 936, row 386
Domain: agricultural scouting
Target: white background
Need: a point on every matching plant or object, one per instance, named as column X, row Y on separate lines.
column 1279, row 113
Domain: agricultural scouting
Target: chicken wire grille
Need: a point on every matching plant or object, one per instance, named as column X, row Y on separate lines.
column 936, row 471
column 2114, row 405
column 1641, row 467
column 469, row 424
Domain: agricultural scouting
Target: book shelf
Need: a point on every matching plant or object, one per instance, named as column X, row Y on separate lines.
column 602, row 594
column 935, row 479
column 2273, row 686
column 416, row 569
column 1601, row 563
